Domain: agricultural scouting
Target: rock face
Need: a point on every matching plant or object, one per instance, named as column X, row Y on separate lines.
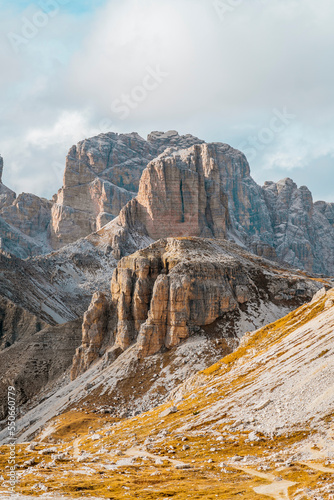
column 101, row 175
column 16, row 323
column 184, row 192
column 206, row 190
column 29, row 213
column 169, row 185
column 94, row 325
column 303, row 231
column 24, row 222
column 7, row 196
column 163, row 294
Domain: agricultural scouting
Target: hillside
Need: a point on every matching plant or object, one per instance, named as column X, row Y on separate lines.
column 174, row 308
column 257, row 424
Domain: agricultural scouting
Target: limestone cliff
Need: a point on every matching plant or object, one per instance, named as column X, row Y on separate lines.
column 94, row 325
column 169, row 185
column 7, row 196
column 207, row 190
column 303, row 231
column 24, row 222
column 101, row 175
column 163, row 294
column 29, row 213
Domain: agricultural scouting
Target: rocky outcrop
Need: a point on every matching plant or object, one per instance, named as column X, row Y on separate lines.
column 24, row 222
column 163, row 294
column 184, row 192
column 101, row 175
column 7, row 196
column 207, row 191
column 94, row 326
column 29, row 213
column 303, row 231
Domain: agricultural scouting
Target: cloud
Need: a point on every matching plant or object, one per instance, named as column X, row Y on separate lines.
column 224, row 77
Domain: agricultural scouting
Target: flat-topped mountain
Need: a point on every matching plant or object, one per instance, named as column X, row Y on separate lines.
column 206, row 190
column 170, row 185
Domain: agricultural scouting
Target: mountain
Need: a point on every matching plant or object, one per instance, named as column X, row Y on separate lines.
column 138, row 286
column 169, row 185
column 179, row 304
column 24, row 222
column 101, row 175
column 257, row 424
column 207, row 191
column 164, row 294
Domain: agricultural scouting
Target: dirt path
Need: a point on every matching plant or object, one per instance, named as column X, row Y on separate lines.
column 318, row 467
column 76, row 448
column 278, row 489
column 137, row 452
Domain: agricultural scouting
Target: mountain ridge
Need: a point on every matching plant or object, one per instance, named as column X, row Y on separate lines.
column 102, row 176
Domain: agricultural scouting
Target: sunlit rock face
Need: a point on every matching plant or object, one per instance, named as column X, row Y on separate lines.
column 101, row 175
column 165, row 293
column 166, row 186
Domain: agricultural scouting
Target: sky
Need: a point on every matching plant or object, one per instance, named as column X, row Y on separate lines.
column 256, row 74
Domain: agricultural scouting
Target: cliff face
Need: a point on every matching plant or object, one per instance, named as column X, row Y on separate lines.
column 169, row 185
column 183, row 191
column 167, row 292
column 29, row 214
column 7, row 196
column 207, row 191
column 101, row 175
column 24, row 222
column 303, row 231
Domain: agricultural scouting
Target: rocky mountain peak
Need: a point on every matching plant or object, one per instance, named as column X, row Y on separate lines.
column 163, row 140
column 171, row 185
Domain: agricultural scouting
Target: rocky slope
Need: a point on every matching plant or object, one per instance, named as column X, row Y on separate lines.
column 58, row 287
column 140, row 343
column 259, row 423
column 16, row 323
column 35, row 360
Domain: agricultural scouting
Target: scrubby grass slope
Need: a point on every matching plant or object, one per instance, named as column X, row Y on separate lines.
column 259, row 424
